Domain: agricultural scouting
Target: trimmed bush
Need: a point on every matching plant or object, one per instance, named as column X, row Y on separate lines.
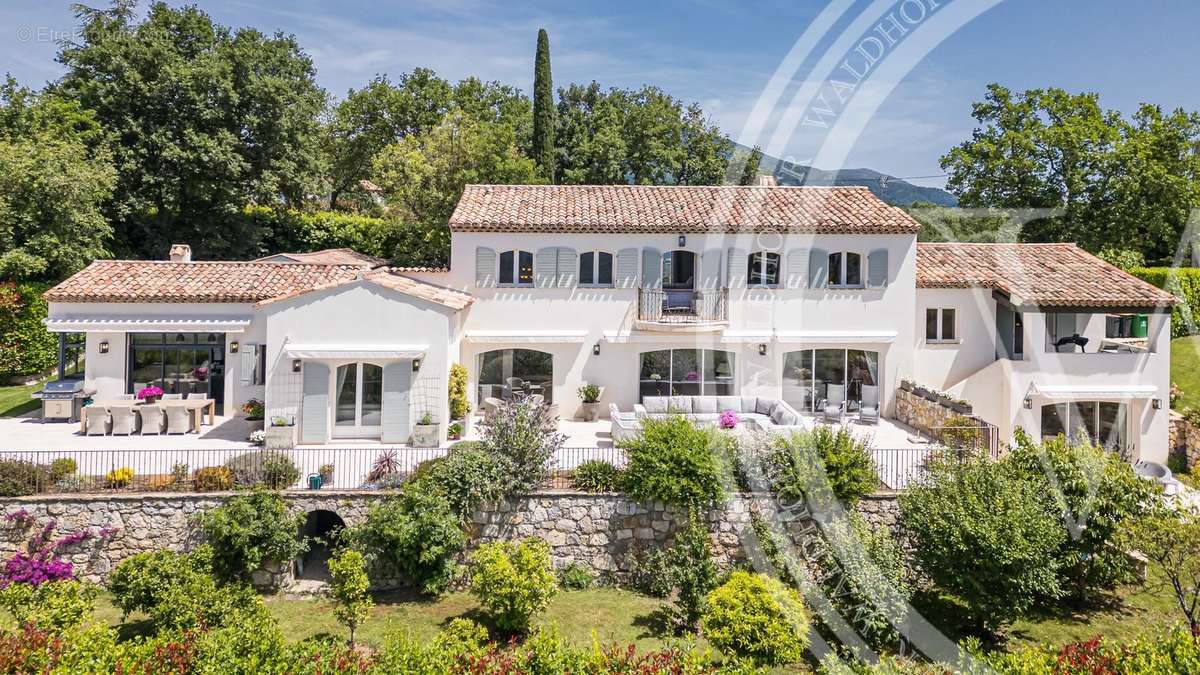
column 212, row 479
column 178, row 591
column 265, row 468
column 460, row 403
column 19, row 477
column 56, row 605
column 596, row 475
column 676, row 462
column 63, row 467
column 249, row 530
column 513, row 582
column 119, row 478
column 757, row 618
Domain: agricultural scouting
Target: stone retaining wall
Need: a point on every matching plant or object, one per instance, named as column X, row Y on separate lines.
column 599, row 532
column 1183, row 439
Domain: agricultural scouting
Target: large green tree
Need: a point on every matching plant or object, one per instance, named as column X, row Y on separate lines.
column 543, row 107
column 53, row 182
column 200, row 119
column 1112, row 181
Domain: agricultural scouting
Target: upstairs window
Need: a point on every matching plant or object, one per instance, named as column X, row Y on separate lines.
column 845, row 270
column 516, row 268
column 763, row 269
column 595, row 269
column 939, row 325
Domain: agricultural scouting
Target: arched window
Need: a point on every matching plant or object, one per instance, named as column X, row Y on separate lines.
column 504, row 373
column 516, row 268
column 763, row 269
column 845, row 269
column 595, row 268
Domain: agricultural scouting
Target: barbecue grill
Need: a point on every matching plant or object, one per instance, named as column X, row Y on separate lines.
column 62, row 400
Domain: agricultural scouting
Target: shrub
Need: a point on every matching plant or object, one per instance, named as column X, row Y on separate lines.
column 1170, row 541
column 415, row 535
column 28, row 347
column 575, row 577
column 596, row 475
column 870, row 586
column 466, row 477
column 63, row 467
column 348, row 587
column 650, row 572
column 987, row 536
column 755, row 617
column 249, row 530
column 19, row 478
column 1183, row 282
column 796, row 464
column 525, row 434
column 119, row 478
column 513, row 582
column 693, row 572
column 178, row 591
column 212, row 479
column 460, row 403
column 962, row 433
column 56, row 605
column 676, row 462
column 264, row 468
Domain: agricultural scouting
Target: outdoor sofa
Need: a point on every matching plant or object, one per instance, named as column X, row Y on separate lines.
column 770, row 414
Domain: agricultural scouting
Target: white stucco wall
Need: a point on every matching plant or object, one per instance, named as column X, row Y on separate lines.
column 942, row 365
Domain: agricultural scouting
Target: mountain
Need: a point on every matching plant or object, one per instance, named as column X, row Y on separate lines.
column 888, row 188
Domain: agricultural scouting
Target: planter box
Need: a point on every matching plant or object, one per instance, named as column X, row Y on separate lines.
column 962, row 408
column 280, row 438
column 945, row 401
column 427, row 435
column 589, row 412
column 905, row 385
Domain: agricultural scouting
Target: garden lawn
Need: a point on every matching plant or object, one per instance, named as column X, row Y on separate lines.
column 16, row 400
column 1185, row 370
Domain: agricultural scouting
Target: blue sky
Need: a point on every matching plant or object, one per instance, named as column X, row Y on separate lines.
column 722, row 54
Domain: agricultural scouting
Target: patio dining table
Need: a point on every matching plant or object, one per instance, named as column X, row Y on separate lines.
column 196, row 406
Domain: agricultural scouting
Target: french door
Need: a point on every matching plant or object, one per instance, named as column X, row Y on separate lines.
column 357, row 400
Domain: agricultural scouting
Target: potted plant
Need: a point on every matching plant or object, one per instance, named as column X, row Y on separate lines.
column 254, row 409
column 150, row 394
column 590, row 410
column 931, row 395
column 280, row 436
column 326, row 473
column 459, row 402
column 425, row 432
column 944, row 399
column 454, row 432
column 920, row 390
column 961, row 407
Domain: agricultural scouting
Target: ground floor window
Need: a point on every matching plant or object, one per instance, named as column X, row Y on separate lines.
column 807, row 374
column 179, row 363
column 72, row 349
column 507, row 372
column 1103, row 423
column 686, row 372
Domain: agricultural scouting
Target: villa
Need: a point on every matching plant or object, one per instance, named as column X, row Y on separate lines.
column 812, row 295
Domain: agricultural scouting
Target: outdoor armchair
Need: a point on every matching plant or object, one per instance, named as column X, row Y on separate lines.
column 178, row 420
column 96, row 420
column 124, row 421
column 153, row 419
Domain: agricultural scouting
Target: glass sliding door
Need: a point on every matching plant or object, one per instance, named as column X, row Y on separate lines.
column 504, row 373
column 357, row 400
column 830, row 369
column 808, row 374
column 192, row 364
column 1101, row 423
column 686, row 372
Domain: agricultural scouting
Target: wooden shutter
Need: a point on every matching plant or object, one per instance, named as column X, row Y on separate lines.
column 568, row 267
column 818, row 268
column 736, row 261
column 710, row 269
column 796, row 268
column 485, row 267
column 627, row 268
column 397, row 416
column 877, row 268
column 247, row 359
column 314, row 405
column 545, row 267
column 651, row 268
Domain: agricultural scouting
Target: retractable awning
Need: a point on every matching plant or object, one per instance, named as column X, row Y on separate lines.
column 355, row 351
column 524, row 336
column 1085, row 391
column 69, row 324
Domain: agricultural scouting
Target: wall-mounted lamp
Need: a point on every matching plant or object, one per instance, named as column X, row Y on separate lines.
column 596, row 349
column 233, row 347
column 1156, row 403
column 295, row 365
column 1027, row 403
column 762, row 349
column 416, row 365
column 104, row 346
column 682, row 240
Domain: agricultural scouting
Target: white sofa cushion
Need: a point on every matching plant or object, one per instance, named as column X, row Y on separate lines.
column 705, row 405
column 733, row 403
column 655, row 405
column 680, row 404
column 763, row 406
column 748, row 403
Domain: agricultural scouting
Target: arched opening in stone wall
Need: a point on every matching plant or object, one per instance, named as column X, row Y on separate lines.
column 322, row 529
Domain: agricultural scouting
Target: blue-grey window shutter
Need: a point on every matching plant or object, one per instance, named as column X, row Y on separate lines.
column 485, row 266
column 877, row 268
column 545, row 267
column 314, row 405
column 797, row 268
column 736, row 261
column 710, row 269
column 818, row 268
column 568, row 265
column 651, row 268
column 627, row 268
column 397, row 381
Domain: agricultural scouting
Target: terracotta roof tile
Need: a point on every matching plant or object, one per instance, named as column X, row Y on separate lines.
column 1047, row 275
column 669, row 209
column 330, row 256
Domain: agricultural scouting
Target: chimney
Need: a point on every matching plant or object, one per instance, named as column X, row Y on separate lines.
column 181, row 253
column 766, row 180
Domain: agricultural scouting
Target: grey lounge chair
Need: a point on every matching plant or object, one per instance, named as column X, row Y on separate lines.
column 96, row 420
column 178, row 420
column 490, row 405
column 153, row 419
column 868, row 411
column 124, row 422
column 835, row 402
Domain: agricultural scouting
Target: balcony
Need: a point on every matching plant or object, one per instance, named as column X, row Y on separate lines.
column 682, row 310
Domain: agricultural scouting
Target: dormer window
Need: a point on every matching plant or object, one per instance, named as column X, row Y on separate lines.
column 595, row 268
column 763, row 269
column 516, row 268
column 845, row 270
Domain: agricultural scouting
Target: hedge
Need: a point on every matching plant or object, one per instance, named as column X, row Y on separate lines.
column 26, row 347
column 1183, row 282
column 408, row 244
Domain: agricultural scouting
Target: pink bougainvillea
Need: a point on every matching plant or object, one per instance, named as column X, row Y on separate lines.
column 41, row 563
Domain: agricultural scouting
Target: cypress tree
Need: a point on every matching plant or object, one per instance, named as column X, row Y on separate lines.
column 750, row 168
column 543, row 108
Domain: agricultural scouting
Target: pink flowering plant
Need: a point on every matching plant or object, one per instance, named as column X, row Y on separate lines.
column 41, row 562
column 728, row 419
column 150, row 392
